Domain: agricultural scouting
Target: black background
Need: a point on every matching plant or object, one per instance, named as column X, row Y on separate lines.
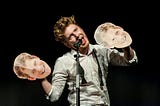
column 27, row 27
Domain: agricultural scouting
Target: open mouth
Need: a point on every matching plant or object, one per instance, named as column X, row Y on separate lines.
column 83, row 41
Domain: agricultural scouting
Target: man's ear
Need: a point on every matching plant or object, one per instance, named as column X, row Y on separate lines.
column 31, row 79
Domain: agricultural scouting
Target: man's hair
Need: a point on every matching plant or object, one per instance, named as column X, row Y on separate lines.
column 60, row 27
column 19, row 64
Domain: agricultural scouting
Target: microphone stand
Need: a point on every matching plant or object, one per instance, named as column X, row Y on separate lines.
column 77, row 78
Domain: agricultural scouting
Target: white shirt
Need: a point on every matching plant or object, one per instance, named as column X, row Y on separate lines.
column 91, row 93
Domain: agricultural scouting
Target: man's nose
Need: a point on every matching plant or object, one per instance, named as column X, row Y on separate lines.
column 80, row 36
column 76, row 35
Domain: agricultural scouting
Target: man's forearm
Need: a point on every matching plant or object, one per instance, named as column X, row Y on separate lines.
column 128, row 52
column 46, row 85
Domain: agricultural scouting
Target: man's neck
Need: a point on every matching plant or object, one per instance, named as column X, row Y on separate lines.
column 84, row 50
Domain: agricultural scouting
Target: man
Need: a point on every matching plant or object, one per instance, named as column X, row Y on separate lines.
column 93, row 62
column 93, row 58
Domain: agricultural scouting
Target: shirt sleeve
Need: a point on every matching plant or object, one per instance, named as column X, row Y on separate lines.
column 134, row 59
column 59, row 77
column 117, row 58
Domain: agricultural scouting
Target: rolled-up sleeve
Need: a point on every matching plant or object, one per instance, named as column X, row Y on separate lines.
column 117, row 58
column 134, row 59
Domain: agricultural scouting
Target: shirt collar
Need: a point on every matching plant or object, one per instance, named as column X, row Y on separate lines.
column 74, row 52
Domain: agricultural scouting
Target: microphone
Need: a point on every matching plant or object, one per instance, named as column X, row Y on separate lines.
column 78, row 43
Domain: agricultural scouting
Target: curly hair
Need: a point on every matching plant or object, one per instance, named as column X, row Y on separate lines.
column 60, row 27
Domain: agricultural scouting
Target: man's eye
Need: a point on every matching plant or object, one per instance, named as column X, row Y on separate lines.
column 71, row 37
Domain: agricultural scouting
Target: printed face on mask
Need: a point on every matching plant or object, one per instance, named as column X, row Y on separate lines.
column 30, row 67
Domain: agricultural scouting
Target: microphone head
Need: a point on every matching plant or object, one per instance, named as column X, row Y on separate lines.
column 78, row 43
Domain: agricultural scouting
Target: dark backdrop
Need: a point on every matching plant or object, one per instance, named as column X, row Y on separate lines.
column 27, row 27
